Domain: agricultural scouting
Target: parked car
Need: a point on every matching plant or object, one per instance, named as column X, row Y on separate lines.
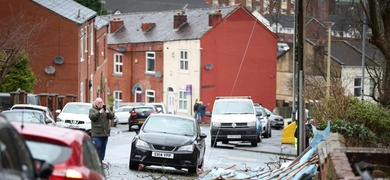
column 16, row 161
column 265, row 122
column 160, row 107
column 46, row 110
column 277, row 121
column 72, row 152
column 122, row 114
column 168, row 140
column 75, row 115
column 28, row 116
column 139, row 113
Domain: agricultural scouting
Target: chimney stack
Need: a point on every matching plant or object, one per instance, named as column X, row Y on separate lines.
column 147, row 26
column 179, row 20
column 115, row 24
column 215, row 18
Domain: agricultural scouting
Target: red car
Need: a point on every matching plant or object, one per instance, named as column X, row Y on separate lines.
column 71, row 152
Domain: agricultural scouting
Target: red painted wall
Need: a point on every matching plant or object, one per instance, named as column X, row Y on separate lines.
column 243, row 55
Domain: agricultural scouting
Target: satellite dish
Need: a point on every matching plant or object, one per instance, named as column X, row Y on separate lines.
column 50, row 70
column 58, row 60
column 121, row 49
column 208, row 66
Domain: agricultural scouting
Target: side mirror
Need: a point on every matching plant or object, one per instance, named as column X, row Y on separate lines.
column 203, row 136
column 58, row 111
column 135, row 128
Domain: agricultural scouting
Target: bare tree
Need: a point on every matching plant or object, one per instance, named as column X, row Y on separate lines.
column 15, row 35
column 378, row 20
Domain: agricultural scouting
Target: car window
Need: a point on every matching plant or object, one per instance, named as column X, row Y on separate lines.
column 170, row 125
column 51, row 153
column 259, row 110
column 14, row 153
column 233, row 107
column 268, row 111
column 31, row 117
column 143, row 109
column 90, row 156
column 77, row 109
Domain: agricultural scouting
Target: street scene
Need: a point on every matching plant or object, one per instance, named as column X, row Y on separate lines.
column 194, row 89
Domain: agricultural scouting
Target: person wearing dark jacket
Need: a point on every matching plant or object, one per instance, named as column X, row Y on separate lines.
column 100, row 125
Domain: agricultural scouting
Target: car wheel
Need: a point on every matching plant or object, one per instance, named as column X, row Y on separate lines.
column 266, row 134
column 270, row 133
column 133, row 165
column 259, row 138
column 213, row 143
column 193, row 170
column 129, row 127
column 254, row 143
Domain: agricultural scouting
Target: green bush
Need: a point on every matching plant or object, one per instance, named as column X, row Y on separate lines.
column 362, row 123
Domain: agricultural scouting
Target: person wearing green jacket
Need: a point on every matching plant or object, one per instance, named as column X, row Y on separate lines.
column 100, row 125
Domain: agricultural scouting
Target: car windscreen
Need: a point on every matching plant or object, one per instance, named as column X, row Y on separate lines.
column 233, row 107
column 51, row 153
column 77, row 109
column 30, row 117
column 170, row 125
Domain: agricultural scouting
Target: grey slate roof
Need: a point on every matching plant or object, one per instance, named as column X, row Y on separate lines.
column 100, row 22
column 127, row 6
column 68, row 9
column 197, row 26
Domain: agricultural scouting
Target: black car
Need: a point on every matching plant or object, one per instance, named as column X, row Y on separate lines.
column 139, row 113
column 16, row 161
column 168, row 140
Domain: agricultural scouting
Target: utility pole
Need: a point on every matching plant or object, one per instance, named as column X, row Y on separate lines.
column 329, row 25
column 300, row 48
column 363, row 50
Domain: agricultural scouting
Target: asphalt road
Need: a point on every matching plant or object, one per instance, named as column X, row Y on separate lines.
column 238, row 154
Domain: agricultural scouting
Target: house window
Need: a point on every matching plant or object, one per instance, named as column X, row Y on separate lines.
column 86, row 39
column 184, row 60
column 150, row 62
column 372, row 87
column 118, row 95
column 82, row 36
column 149, row 96
column 182, row 100
column 92, row 39
column 357, row 89
column 118, row 63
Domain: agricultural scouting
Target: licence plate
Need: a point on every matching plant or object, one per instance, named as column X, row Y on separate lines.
column 140, row 121
column 280, row 122
column 233, row 136
column 162, row 155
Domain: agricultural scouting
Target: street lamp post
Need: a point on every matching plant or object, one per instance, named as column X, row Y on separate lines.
column 329, row 25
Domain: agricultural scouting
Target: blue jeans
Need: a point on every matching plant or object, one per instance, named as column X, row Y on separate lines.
column 197, row 116
column 100, row 143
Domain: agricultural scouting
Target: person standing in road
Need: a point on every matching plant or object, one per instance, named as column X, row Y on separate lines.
column 202, row 111
column 100, row 125
column 196, row 110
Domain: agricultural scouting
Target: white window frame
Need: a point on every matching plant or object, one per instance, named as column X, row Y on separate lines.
column 117, row 95
column 152, row 59
column 183, row 102
column 118, row 64
column 357, row 87
column 149, row 95
column 92, row 39
column 183, row 60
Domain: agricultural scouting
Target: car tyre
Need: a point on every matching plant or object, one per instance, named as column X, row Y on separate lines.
column 254, row 143
column 266, row 134
column 213, row 143
column 133, row 165
column 259, row 138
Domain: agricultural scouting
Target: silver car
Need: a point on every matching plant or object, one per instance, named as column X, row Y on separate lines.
column 277, row 121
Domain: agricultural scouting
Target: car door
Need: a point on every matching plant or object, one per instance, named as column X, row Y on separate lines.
column 92, row 160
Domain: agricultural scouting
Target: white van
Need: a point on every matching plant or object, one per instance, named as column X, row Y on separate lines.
column 234, row 118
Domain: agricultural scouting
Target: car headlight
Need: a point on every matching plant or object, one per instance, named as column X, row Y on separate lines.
column 250, row 124
column 188, row 148
column 141, row 144
column 216, row 124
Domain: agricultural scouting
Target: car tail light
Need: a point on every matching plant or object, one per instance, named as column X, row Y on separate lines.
column 66, row 174
column 133, row 114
